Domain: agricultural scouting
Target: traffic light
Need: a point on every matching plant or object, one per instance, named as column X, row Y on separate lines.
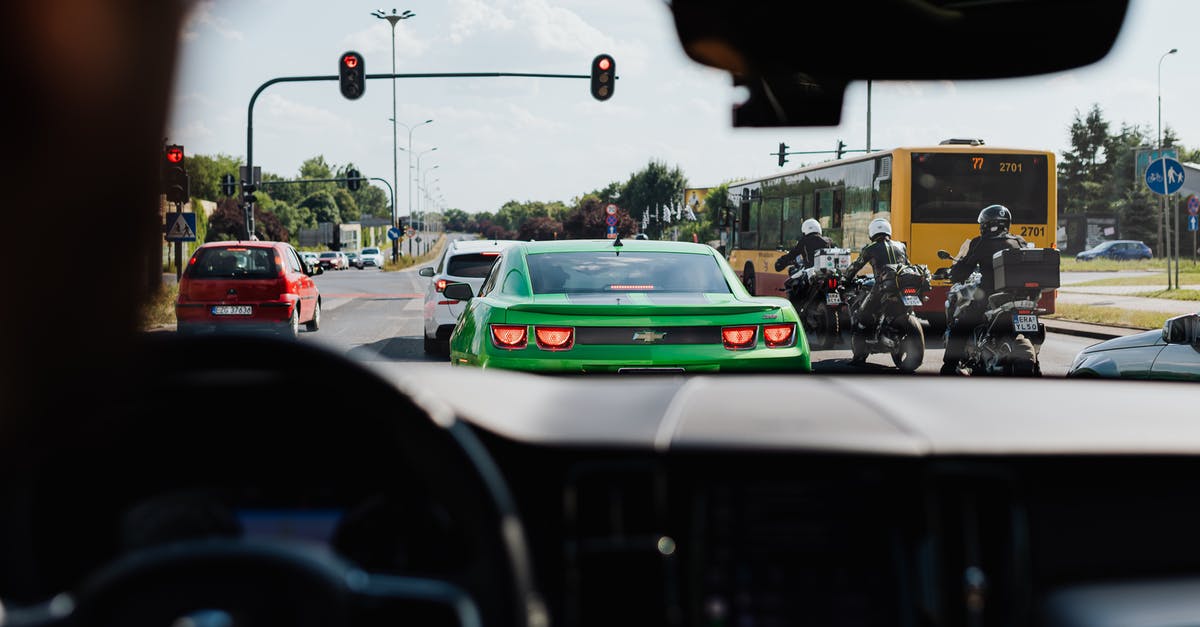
column 352, row 75
column 782, row 153
column 175, row 181
column 248, row 197
column 353, row 182
column 841, row 148
column 604, row 76
column 228, row 185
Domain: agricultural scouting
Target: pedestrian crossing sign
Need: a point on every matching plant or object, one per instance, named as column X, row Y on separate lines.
column 181, row 227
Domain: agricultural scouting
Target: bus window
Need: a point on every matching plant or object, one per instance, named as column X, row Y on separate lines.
column 748, row 238
column 824, row 200
column 769, row 223
column 793, row 219
column 883, row 196
column 839, row 204
column 952, row 188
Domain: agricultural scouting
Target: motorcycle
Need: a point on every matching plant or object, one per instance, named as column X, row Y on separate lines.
column 894, row 328
column 818, row 293
column 1009, row 337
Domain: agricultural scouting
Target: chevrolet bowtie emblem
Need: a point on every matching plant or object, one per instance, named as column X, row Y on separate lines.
column 648, row 337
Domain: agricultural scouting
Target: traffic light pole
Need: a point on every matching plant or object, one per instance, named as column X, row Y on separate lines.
column 178, row 245
column 249, row 207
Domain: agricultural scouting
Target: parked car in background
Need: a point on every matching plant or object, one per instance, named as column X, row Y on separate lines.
column 1118, row 249
column 247, row 286
column 310, row 258
column 371, row 258
column 462, row 261
column 354, row 260
column 329, row 260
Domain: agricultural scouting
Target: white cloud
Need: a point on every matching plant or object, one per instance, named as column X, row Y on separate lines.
column 203, row 18
column 376, row 39
column 473, row 16
column 281, row 113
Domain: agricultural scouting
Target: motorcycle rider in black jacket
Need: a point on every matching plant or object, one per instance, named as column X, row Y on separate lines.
column 806, row 247
column 994, row 221
column 879, row 253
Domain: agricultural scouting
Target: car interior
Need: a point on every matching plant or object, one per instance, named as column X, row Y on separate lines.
column 154, row 479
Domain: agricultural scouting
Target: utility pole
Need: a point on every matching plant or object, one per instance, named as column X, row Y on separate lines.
column 393, row 19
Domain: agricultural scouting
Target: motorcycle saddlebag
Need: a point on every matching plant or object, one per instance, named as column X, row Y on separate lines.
column 1023, row 268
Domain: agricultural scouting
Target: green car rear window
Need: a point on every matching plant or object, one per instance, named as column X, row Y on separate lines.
column 234, row 263
column 605, row 272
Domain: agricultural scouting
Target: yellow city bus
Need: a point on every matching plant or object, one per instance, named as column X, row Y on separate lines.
column 932, row 196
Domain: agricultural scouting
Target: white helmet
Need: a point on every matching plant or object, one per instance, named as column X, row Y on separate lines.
column 810, row 226
column 879, row 226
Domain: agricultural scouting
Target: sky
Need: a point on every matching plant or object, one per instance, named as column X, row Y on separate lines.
column 501, row 139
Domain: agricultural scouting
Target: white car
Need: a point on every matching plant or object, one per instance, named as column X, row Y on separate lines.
column 370, row 258
column 463, row 261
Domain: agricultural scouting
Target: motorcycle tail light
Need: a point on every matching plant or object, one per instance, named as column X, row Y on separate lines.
column 779, row 335
column 509, row 336
column 739, row 338
column 554, row 338
column 831, row 283
column 910, row 290
column 1024, row 312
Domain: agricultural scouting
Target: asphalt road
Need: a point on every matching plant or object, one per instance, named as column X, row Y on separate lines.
column 374, row 316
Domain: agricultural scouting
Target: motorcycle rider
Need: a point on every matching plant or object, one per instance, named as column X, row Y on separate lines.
column 994, row 221
column 811, row 240
column 879, row 253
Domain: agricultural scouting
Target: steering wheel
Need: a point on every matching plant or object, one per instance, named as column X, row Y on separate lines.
column 239, row 581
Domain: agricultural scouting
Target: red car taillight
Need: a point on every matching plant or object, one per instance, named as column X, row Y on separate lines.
column 779, row 335
column 554, row 338
column 739, row 338
column 440, row 285
column 508, row 336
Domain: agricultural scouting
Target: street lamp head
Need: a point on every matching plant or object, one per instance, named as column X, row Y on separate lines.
column 1173, row 51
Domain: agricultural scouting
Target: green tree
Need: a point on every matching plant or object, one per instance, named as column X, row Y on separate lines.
column 1084, row 172
column 540, row 228
column 347, row 208
column 588, row 220
column 457, row 220
column 206, row 171
column 228, row 223
column 652, row 188
column 323, row 207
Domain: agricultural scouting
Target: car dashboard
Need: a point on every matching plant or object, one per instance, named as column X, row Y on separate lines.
column 655, row 500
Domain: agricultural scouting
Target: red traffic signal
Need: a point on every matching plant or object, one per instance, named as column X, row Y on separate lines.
column 175, row 154
column 351, row 75
column 175, row 182
column 604, row 76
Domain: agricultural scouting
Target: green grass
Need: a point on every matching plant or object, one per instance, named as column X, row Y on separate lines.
column 1111, row 316
column 161, row 309
column 1172, row 294
column 1153, row 280
column 408, row 261
column 1069, row 264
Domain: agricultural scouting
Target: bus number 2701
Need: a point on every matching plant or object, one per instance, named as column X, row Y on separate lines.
column 1033, row 231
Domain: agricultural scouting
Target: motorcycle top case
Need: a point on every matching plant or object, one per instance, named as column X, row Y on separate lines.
column 1023, row 268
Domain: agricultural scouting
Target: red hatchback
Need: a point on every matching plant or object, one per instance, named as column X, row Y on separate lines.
column 248, row 286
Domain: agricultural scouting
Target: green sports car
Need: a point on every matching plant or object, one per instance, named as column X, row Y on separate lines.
column 622, row 306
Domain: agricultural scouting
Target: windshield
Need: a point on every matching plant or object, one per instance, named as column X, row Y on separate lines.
column 604, row 272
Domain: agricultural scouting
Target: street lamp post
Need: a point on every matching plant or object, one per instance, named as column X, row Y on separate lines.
column 1165, row 231
column 418, row 170
column 393, row 19
column 424, row 207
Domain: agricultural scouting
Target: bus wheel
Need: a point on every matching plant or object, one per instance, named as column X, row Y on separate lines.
column 748, row 279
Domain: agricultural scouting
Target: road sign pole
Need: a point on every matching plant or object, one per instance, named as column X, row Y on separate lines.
column 1177, row 238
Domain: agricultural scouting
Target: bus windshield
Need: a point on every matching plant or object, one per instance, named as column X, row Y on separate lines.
column 951, row 188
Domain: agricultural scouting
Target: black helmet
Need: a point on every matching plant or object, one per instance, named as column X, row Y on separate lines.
column 994, row 220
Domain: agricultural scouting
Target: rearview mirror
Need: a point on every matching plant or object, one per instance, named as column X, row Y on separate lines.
column 459, row 291
column 945, row 255
column 425, row 271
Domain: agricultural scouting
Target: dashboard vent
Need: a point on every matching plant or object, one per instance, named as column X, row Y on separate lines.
column 620, row 562
column 981, row 550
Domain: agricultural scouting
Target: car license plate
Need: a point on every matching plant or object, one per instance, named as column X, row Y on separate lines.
column 1025, row 324
column 232, row 310
column 912, row 301
column 833, row 299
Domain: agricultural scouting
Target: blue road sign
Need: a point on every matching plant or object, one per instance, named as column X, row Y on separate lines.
column 612, row 232
column 1144, row 157
column 394, row 233
column 1193, row 204
column 611, row 220
column 1164, row 180
column 181, row 227
column 1193, row 223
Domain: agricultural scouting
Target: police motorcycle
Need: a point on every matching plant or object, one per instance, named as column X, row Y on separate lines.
column 895, row 329
column 1009, row 336
column 818, row 294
